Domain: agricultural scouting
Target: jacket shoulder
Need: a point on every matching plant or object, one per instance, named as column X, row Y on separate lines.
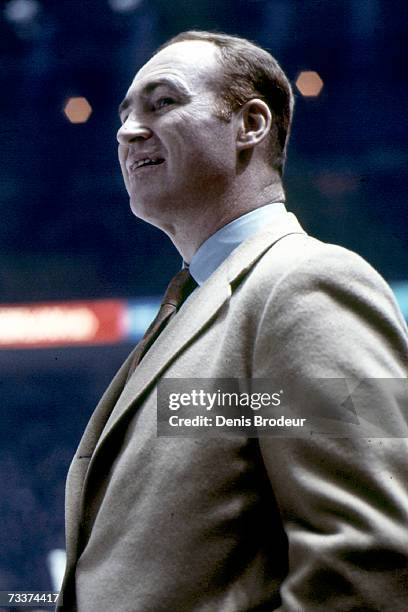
column 299, row 263
column 320, row 303
column 302, row 254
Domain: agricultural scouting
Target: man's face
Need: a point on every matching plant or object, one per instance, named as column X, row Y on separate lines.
column 176, row 155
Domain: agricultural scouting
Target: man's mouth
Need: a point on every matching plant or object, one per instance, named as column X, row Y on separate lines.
column 148, row 161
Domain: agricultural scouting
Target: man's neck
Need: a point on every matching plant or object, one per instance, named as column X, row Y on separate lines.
column 189, row 236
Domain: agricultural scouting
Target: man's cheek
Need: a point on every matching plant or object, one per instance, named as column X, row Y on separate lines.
column 122, row 154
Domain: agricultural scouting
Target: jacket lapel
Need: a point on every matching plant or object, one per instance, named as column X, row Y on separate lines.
column 181, row 330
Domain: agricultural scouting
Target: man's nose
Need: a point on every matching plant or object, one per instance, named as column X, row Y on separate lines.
column 132, row 131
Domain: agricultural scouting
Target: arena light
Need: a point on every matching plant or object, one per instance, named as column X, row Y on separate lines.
column 56, row 561
column 309, row 83
column 22, row 11
column 139, row 314
column 124, row 6
column 62, row 324
column 78, row 110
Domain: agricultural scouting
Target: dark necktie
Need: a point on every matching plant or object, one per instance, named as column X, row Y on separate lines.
column 180, row 287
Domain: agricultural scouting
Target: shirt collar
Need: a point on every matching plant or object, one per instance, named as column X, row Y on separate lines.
column 221, row 244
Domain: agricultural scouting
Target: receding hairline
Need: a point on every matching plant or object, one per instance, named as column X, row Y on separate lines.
column 216, row 77
column 219, row 40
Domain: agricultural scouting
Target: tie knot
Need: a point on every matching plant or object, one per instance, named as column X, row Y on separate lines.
column 179, row 288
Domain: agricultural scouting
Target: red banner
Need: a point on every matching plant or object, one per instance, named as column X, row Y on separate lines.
column 62, row 324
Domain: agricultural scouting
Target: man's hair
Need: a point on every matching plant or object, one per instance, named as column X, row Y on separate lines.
column 250, row 72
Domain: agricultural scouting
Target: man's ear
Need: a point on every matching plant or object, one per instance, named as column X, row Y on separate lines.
column 255, row 122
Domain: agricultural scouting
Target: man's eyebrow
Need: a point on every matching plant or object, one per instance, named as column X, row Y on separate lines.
column 172, row 83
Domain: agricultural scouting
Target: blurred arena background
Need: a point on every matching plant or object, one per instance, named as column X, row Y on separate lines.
column 80, row 276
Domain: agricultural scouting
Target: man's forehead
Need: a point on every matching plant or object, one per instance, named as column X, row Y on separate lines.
column 193, row 61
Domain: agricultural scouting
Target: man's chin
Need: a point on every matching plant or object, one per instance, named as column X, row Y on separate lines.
column 150, row 214
column 139, row 211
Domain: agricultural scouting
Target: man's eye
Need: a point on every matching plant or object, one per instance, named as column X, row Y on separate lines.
column 163, row 102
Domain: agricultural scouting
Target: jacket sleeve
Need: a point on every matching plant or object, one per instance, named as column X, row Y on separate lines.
column 343, row 500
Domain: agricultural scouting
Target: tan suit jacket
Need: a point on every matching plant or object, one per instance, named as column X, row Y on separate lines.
column 235, row 524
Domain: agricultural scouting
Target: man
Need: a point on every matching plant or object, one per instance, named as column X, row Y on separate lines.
column 235, row 523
